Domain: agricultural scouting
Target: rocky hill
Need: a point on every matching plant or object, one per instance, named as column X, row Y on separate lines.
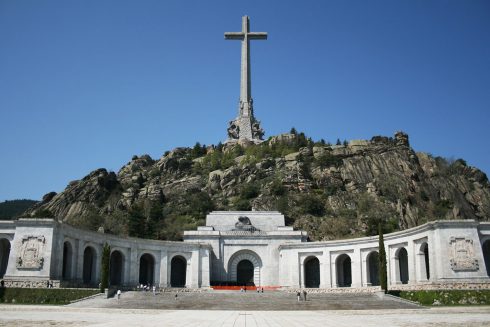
column 331, row 191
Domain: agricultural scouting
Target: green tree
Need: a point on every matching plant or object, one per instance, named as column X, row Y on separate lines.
column 383, row 278
column 154, row 217
column 293, row 131
column 136, row 221
column 104, row 267
column 338, row 142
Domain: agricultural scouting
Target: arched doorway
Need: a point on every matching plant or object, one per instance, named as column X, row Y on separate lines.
column 424, row 262
column 67, row 261
column 344, row 272
column 178, row 271
column 312, row 272
column 486, row 255
column 373, row 268
column 245, row 273
column 89, row 266
column 402, row 273
column 147, row 269
column 116, row 268
column 240, row 266
column 4, row 256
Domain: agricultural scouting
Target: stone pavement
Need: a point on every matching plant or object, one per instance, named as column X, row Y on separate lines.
column 17, row 315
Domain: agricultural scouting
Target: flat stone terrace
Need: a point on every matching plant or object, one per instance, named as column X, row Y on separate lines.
column 249, row 301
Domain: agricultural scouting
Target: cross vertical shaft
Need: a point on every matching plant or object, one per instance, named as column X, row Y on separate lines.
column 243, row 126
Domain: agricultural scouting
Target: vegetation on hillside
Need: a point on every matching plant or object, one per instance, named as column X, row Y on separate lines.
column 331, row 191
column 11, row 209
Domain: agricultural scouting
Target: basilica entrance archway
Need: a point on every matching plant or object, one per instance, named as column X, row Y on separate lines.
column 4, row 256
column 116, row 268
column 178, row 271
column 312, row 272
column 244, row 268
column 147, row 269
column 245, row 272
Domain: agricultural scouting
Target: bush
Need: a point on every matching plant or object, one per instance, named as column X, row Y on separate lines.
column 43, row 295
column 312, row 205
column 446, row 297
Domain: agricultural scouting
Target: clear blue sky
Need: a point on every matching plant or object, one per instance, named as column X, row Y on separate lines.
column 88, row 84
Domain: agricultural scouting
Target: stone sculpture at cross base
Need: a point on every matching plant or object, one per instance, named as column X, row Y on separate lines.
column 245, row 126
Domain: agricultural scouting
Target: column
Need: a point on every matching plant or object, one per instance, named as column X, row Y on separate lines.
column 356, row 270
column 194, row 269
column 164, row 268
column 204, row 268
column 134, row 266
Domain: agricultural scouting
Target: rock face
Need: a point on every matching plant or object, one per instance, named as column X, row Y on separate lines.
column 330, row 191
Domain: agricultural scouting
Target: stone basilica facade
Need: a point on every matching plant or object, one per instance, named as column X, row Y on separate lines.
column 246, row 248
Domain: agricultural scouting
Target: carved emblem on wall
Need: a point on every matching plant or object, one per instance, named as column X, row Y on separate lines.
column 30, row 252
column 462, row 254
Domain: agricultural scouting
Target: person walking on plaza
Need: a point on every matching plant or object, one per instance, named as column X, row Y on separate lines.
column 304, row 294
column 298, row 294
column 118, row 294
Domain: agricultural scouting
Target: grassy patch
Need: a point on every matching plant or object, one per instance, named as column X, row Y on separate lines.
column 446, row 297
column 42, row 295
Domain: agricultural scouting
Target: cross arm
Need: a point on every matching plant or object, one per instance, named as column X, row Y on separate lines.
column 234, row 36
column 257, row 35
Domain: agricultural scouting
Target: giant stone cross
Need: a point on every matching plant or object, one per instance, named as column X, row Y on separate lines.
column 245, row 126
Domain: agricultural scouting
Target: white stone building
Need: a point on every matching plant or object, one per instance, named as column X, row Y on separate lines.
column 246, row 248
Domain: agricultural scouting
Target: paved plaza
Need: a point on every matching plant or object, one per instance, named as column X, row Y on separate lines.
column 220, row 309
column 16, row 315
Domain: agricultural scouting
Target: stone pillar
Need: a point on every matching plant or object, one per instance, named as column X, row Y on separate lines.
column 364, row 270
column 194, row 269
column 412, row 279
column 204, row 267
column 325, row 277
column 134, row 266
column 79, row 259
column 356, row 269
column 164, row 268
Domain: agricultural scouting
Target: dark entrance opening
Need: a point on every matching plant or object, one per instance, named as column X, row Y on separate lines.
column 403, row 265
column 312, row 272
column 67, row 261
column 245, row 273
column 344, row 273
column 178, row 270
column 373, row 268
column 116, row 268
column 147, row 269
column 486, row 255
column 426, row 258
column 4, row 256
column 89, row 266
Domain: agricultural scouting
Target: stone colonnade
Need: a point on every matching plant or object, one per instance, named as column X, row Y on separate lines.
column 72, row 257
column 442, row 251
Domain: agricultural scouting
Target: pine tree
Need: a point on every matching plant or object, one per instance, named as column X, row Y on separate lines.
column 154, row 218
column 137, row 221
column 104, row 267
column 383, row 280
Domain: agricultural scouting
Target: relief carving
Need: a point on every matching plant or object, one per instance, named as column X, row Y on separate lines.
column 30, row 252
column 462, row 254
